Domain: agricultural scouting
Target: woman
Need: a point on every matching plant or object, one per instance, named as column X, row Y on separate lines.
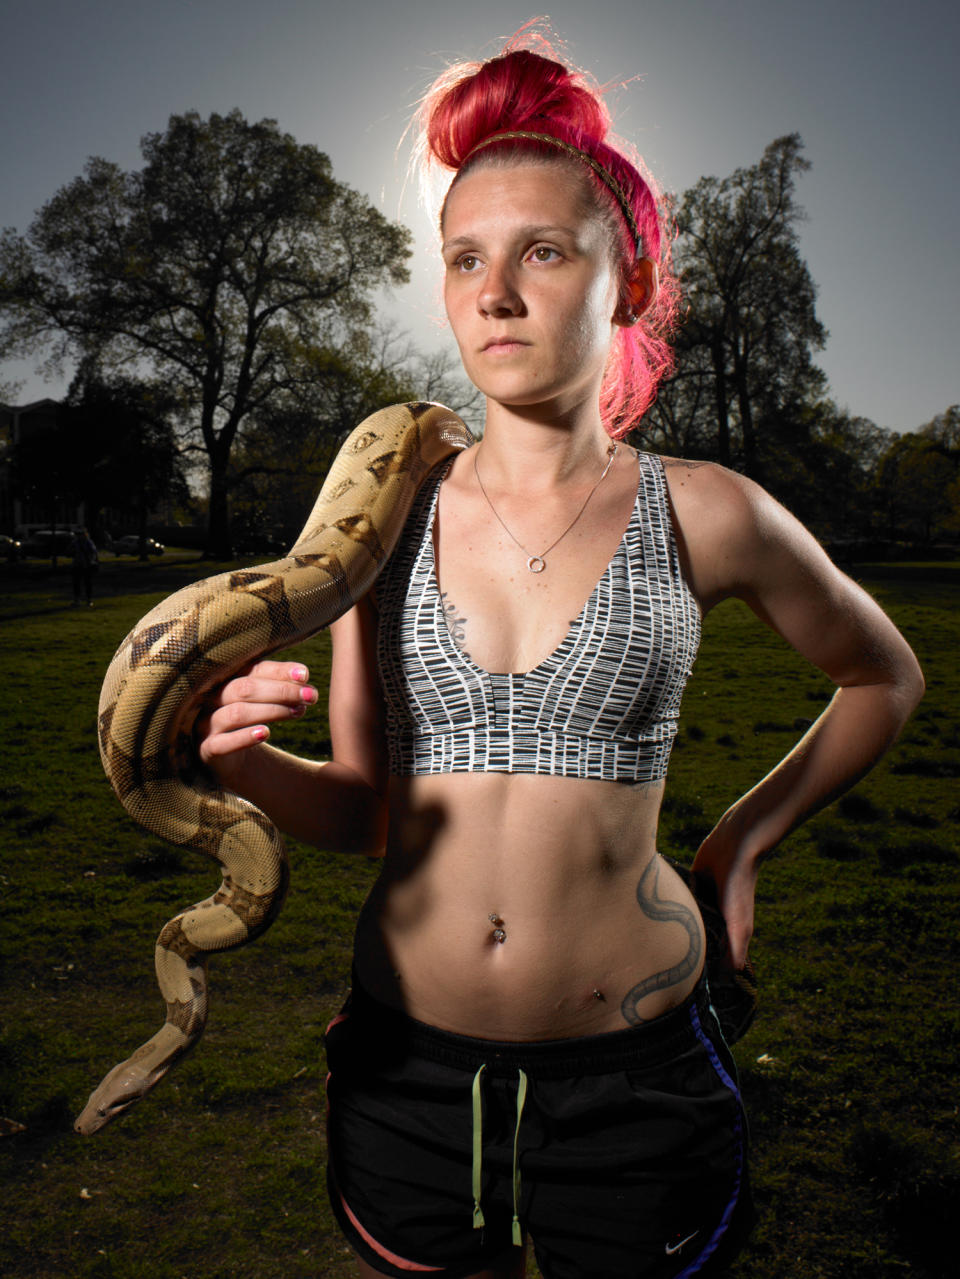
column 529, row 1049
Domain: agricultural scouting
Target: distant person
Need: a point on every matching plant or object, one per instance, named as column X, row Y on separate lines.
column 530, row 1051
column 85, row 564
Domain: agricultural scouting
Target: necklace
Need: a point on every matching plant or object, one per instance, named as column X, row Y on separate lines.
column 537, row 563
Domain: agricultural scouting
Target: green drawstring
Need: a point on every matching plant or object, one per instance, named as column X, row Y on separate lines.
column 478, row 1221
column 521, row 1098
column 477, row 1149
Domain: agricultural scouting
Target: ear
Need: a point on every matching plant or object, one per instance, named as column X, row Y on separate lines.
column 638, row 292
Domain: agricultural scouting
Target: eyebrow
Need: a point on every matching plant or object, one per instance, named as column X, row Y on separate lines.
column 522, row 233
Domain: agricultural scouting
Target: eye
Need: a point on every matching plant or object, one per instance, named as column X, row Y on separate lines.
column 544, row 253
column 467, row 262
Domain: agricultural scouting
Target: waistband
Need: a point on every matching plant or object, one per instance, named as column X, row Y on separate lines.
column 653, row 1044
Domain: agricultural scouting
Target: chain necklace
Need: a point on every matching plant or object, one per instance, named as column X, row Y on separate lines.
column 537, row 563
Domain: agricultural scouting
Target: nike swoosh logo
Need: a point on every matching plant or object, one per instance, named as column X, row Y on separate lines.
column 677, row 1246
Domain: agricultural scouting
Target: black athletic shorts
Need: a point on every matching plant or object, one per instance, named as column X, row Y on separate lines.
column 620, row 1156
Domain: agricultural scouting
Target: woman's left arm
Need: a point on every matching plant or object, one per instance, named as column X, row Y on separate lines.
column 767, row 558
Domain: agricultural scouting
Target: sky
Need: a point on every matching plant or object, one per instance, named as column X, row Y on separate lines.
column 871, row 86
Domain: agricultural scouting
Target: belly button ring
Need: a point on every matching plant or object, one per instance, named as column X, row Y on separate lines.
column 498, row 933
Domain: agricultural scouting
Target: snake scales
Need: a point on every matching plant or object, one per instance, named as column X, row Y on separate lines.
column 196, row 639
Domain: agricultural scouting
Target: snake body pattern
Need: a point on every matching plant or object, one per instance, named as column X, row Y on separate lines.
column 196, row 639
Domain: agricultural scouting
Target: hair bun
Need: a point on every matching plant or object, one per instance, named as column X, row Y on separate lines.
column 518, row 90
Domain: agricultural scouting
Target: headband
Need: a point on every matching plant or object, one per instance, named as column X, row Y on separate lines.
column 605, row 176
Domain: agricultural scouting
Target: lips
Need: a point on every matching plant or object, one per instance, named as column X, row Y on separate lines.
column 505, row 342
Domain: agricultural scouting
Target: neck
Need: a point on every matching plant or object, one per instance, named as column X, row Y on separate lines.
column 520, row 450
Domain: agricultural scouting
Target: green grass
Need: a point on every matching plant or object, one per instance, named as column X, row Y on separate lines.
column 848, row 1072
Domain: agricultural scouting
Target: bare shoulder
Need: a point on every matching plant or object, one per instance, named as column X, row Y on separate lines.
column 703, row 480
column 697, row 482
column 728, row 527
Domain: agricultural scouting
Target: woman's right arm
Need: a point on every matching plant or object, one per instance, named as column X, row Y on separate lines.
column 339, row 805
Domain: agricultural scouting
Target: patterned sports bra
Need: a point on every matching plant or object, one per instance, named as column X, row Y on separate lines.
column 603, row 705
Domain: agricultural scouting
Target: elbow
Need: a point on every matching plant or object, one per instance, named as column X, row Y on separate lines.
column 904, row 694
column 920, row 687
column 904, row 679
column 913, row 684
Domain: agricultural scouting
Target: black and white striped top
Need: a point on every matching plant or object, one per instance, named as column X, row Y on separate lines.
column 603, row 705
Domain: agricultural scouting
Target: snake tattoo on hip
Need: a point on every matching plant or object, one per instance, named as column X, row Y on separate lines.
column 663, row 911
column 200, row 637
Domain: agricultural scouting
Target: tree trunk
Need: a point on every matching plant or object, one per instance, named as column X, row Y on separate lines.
column 723, row 416
column 750, row 464
column 218, row 545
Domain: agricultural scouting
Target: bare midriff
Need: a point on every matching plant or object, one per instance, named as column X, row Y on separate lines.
column 523, row 907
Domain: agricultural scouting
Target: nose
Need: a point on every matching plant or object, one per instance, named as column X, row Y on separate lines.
column 499, row 295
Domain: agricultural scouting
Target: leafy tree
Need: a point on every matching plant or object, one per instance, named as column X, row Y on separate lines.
column 9, row 391
column 287, row 448
column 916, row 484
column 826, row 472
column 225, row 264
column 751, row 325
column 944, row 429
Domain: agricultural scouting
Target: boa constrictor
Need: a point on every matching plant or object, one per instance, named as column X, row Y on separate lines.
column 196, row 639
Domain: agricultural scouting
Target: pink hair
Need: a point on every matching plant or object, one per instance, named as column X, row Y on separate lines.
column 527, row 91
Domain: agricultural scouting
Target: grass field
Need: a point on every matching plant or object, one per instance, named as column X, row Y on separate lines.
column 848, row 1073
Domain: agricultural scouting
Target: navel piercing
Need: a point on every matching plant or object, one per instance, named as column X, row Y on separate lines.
column 498, row 933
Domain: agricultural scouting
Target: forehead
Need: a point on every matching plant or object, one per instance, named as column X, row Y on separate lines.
column 523, row 192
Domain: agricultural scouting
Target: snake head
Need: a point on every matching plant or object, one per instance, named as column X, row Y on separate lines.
column 127, row 1083
column 105, row 1105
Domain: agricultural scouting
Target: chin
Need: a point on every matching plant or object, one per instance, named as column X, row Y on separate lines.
column 512, row 391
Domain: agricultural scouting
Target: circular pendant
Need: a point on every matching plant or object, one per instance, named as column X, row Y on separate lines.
column 536, row 564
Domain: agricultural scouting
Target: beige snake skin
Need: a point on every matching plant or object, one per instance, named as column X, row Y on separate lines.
column 196, row 639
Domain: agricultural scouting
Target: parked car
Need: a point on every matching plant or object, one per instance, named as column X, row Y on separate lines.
column 10, row 548
column 130, row 545
column 43, row 543
column 260, row 544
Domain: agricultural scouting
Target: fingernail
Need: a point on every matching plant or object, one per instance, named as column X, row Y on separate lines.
column 297, row 711
column 299, row 673
column 260, row 733
column 308, row 694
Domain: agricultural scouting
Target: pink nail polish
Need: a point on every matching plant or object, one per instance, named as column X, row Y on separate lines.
column 260, row 733
column 308, row 695
column 299, row 673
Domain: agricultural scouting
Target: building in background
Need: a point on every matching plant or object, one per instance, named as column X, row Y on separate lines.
column 25, row 515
